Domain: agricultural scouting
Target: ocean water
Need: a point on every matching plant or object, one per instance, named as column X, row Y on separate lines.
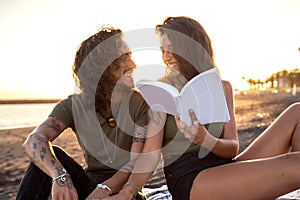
column 23, row 115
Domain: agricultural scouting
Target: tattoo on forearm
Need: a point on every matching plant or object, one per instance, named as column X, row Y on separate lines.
column 155, row 117
column 127, row 168
column 43, row 153
column 35, row 146
column 67, row 183
column 54, row 125
column 40, row 139
column 139, row 140
column 33, row 150
column 59, row 170
column 53, row 161
column 63, row 183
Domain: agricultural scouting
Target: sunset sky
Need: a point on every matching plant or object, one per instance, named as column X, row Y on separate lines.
column 39, row 38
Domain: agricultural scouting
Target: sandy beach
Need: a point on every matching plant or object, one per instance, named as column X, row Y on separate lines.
column 254, row 112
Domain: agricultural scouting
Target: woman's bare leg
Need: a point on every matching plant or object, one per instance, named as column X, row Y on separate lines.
column 256, row 179
column 274, row 170
column 281, row 136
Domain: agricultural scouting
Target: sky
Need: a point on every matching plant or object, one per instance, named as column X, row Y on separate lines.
column 39, row 38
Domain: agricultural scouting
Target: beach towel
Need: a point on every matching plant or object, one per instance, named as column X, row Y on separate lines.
column 161, row 193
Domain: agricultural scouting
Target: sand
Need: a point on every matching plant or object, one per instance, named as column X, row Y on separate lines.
column 254, row 112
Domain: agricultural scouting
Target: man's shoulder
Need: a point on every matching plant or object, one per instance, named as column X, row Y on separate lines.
column 71, row 97
column 68, row 101
column 136, row 96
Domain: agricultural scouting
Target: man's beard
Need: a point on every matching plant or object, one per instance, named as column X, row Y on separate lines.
column 123, row 86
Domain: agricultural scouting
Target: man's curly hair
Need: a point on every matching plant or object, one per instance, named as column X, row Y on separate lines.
column 93, row 72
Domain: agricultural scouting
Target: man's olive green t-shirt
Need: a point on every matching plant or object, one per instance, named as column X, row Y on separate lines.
column 97, row 139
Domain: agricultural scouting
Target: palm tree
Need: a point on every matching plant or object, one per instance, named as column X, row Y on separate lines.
column 294, row 77
column 271, row 79
column 251, row 83
column 284, row 77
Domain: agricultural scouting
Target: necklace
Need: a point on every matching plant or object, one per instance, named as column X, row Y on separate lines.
column 112, row 124
column 110, row 119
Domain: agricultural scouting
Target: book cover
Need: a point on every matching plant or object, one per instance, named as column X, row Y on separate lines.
column 204, row 94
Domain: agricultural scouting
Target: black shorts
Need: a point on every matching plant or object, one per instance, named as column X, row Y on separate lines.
column 181, row 173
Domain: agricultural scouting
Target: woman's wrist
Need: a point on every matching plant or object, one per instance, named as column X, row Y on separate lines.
column 131, row 188
column 209, row 141
column 127, row 193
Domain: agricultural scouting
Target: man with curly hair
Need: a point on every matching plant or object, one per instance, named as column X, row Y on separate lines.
column 108, row 117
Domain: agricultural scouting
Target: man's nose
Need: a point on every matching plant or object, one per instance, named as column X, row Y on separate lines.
column 132, row 64
column 167, row 55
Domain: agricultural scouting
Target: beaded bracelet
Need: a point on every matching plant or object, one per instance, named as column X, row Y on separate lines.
column 62, row 177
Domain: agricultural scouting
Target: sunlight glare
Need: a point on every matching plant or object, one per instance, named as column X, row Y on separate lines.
column 149, row 64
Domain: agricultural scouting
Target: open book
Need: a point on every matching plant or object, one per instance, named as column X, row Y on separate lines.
column 204, row 94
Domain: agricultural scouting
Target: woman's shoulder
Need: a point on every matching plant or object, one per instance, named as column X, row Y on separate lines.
column 227, row 84
column 227, row 88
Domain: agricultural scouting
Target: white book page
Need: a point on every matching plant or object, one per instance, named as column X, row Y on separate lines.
column 213, row 70
column 219, row 108
column 173, row 90
column 205, row 95
column 160, row 96
column 197, row 98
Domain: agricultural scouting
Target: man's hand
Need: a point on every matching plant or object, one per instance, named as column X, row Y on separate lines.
column 120, row 196
column 64, row 190
column 98, row 193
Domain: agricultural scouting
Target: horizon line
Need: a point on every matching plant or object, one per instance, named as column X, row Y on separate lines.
column 28, row 100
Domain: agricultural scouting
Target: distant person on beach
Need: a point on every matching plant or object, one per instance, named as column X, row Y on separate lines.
column 202, row 161
column 108, row 117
